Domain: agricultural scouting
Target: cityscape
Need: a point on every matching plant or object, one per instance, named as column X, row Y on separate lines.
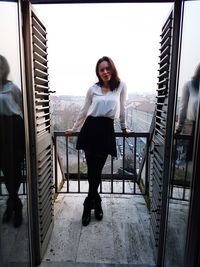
column 139, row 113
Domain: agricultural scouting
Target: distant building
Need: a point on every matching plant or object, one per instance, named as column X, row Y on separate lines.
column 139, row 113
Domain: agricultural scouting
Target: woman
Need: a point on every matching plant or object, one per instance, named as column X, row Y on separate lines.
column 11, row 142
column 188, row 108
column 104, row 102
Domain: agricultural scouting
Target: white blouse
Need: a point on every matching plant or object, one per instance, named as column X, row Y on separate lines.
column 10, row 100
column 99, row 104
column 188, row 104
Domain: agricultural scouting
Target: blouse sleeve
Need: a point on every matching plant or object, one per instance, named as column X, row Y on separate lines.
column 122, row 116
column 83, row 112
column 17, row 96
column 183, row 107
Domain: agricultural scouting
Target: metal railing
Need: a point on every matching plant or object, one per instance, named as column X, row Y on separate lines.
column 180, row 181
column 128, row 173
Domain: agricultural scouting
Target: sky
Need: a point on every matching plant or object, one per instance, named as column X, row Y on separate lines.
column 190, row 55
column 80, row 34
column 9, row 42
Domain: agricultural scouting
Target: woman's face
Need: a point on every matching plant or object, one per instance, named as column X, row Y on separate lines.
column 105, row 71
column 1, row 71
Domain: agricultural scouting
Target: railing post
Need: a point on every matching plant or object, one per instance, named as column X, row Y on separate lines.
column 147, row 167
column 111, row 188
column 135, row 171
column 78, row 171
column 55, row 159
column 123, row 173
column 67, row 162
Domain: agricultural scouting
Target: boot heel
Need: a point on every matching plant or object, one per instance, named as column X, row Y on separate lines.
column 18, row 218
column 9, row 211
column 7, row 215
column 98, row 212
column 86, row 217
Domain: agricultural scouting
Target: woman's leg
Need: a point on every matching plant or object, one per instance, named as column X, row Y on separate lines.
column 7, row 155
column 11, row 166
column 95, row 164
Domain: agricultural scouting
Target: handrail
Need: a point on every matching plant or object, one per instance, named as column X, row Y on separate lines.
column 124, row 175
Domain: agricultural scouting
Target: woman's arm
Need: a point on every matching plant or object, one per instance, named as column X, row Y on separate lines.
column 122, row 116
column 17, row 96
column 183, row 107
column 82, row 114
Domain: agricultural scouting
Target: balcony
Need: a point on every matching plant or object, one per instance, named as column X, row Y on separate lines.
column 123, row 236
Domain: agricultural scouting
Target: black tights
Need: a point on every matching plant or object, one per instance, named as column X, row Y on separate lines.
column 95, row 164
column 12, row 147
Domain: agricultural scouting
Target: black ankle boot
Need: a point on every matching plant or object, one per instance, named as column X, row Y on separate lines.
column 7, row 215
column 18, row 218
column 8, row 212
column 98, row 209
column 86, row 212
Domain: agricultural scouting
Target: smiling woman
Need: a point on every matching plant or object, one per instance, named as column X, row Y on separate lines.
column 105, row 101
column 128, row 33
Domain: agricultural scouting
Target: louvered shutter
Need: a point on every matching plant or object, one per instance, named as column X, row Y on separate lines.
column 161, row 156
column 159, row 137
column 38, row 108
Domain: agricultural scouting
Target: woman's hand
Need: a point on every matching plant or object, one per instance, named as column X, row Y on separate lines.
column 126, row 131
column 69, row 132
column 177, row 133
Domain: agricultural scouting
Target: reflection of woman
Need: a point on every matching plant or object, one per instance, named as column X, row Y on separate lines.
column 104, row 102
column 188, row 107
column 11, row 142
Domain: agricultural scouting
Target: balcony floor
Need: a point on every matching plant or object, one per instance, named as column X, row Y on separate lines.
column 122, row 238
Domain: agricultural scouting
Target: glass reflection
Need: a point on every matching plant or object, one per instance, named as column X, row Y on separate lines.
column 11, row 143
column 14, row 243
column 187, row 105
column 188, row 111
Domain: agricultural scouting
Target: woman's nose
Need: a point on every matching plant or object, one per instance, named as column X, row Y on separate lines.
column 105, row 71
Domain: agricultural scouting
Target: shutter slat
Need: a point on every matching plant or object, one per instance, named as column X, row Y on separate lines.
column 160, row 128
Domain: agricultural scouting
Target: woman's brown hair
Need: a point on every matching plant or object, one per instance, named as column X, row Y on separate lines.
column 115, row 80
column 196, row 78
column 5, row 69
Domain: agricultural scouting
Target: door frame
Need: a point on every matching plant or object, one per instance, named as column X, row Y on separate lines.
column 35, row 144
column 30, row 149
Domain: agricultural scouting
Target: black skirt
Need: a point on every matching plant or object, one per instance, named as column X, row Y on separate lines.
column 97, row 136
column 190, row 145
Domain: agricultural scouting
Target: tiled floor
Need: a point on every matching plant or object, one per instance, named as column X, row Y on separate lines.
column 14, row 241
column 122, row 237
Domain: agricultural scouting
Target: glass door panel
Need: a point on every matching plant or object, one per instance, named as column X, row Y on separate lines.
column 187, row 105
column 14, row 238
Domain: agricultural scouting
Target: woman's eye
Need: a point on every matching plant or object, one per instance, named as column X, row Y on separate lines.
column 107, row 69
